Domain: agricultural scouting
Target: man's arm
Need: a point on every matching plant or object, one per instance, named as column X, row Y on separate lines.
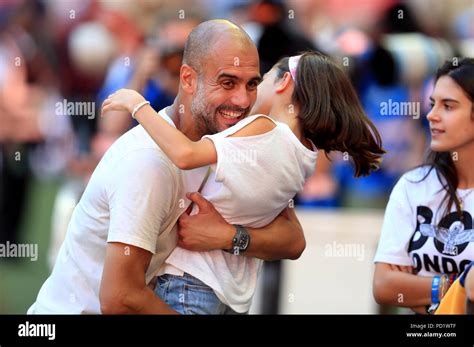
column 138, row 189
column 123, row 288
column 281, row 239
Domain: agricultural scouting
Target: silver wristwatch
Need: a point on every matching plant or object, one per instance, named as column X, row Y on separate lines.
column 241, row 240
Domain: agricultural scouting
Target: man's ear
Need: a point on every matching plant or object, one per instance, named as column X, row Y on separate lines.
column 188, row 79
column 283, row 83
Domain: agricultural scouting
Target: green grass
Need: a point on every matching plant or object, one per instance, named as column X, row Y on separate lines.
column 21, row 278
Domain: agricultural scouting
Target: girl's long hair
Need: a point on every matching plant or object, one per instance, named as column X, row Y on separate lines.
column 330, row 112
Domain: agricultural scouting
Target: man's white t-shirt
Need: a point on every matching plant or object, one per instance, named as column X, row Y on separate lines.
column 415, row 232
column 254, row 179
column 133, row 197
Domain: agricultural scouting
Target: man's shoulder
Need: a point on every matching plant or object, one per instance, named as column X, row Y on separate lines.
column 134, row 140
column 135, row 154
column 136, row 137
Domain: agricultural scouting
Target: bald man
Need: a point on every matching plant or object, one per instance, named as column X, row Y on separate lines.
column 125, row 224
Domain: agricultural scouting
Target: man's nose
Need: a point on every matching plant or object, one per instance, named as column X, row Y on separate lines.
column 241, row 97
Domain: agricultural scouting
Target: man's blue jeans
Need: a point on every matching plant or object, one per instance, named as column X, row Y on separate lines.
column 188, row 295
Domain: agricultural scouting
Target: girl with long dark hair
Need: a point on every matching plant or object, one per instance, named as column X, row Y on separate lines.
column 427, row 237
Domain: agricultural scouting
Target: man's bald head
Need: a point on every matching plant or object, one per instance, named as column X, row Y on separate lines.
column 204, row 37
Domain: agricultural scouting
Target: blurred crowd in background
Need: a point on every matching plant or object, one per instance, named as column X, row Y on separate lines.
column 59, row 59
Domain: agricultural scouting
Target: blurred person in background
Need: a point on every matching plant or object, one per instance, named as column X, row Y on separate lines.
column 278, row 34
column 85, row 35
column 34, row 141
column 427, row 237
column 153, row 69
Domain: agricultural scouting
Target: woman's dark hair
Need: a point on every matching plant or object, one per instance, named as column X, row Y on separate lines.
column 462, row 72
column 330, row 112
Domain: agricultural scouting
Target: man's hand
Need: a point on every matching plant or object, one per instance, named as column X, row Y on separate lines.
column 281, row 239
column 206, row 230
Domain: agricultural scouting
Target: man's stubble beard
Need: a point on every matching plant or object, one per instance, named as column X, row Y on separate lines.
column 204, row 122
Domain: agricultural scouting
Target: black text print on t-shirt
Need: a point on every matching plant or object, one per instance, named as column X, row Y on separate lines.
column 450, row 239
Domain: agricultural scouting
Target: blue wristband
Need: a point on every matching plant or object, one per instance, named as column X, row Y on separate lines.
column 435, row 290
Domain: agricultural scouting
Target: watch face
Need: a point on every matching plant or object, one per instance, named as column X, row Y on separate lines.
column 244, row 242
column 241, row 239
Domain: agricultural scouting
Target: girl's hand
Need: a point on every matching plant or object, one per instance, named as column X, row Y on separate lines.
column 122, row 100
